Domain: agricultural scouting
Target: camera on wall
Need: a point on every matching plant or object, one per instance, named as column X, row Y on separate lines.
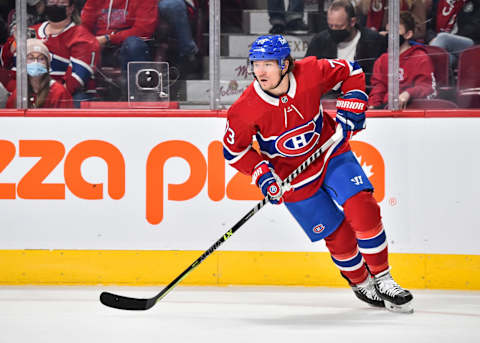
column 148, row 82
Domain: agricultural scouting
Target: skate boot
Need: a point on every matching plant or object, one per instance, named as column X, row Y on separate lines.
column 366, row 292
column 396, row 298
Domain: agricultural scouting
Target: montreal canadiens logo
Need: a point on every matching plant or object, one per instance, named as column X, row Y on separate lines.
column 319, row 228
column 273, row 189
column 298, row 141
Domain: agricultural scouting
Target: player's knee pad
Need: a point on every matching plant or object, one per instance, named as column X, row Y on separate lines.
column 363, row 212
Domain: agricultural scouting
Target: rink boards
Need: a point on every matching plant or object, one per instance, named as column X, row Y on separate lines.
column 135, row 200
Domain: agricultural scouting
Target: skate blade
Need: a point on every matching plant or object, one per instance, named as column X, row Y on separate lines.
column 405, row 308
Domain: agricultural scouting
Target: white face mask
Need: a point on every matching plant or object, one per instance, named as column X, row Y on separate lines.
column 36, row 69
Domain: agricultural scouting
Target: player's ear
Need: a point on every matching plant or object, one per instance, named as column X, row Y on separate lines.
column 286, row 64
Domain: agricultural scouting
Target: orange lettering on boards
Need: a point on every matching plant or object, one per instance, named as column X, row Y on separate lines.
column 115, row 164
column 155, row 176
column 7, row 154
column 239, row 187
column 33, row 186
column 216, row 171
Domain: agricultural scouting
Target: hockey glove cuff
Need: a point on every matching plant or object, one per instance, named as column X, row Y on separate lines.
column 351, row 112
column 265, row 178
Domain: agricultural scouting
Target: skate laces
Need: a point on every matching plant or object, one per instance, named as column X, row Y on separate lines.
column 387, row 285
column 367, row 288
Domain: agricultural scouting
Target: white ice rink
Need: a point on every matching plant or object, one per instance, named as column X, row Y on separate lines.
column 233, row 314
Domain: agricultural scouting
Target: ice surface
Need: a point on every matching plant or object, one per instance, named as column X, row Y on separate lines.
column 233, row 314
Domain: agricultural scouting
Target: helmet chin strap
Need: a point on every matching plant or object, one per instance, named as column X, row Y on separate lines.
column 281, row 79
column 282, row 76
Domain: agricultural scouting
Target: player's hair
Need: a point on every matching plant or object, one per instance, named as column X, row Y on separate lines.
column 291, row 63
column 408, row 21
column 346, row 5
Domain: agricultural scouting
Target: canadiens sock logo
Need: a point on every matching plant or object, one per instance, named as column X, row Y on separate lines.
column 319, row 228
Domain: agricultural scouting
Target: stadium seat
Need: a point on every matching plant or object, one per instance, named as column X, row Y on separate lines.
column 468, row 80
column 440, row 60
column 431, row 104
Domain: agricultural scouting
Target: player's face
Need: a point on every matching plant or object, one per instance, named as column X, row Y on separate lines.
column 267, row 73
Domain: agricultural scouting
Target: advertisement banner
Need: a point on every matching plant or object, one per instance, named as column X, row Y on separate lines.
column 162, row 184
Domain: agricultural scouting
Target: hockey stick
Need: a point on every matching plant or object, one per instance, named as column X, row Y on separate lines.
column 127, row 303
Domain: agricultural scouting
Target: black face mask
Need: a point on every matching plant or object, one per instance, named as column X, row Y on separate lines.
column 400, row 41
column 339, row 36
column 55, row 13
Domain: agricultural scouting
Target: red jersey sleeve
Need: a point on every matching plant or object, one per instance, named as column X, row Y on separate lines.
column 90, row 13
column 6, row 56
column 237, row 143
column 84, row 55
column 339, row 73
column 144, row 25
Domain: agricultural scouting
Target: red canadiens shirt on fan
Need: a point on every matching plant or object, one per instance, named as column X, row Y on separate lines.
column 291, row 127
column 75, row 53
column 416, row 76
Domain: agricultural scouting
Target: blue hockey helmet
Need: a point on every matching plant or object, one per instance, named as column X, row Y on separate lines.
column 270, row 48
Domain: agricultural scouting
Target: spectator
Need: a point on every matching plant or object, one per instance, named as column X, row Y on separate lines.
column 455, row 26
column 415, row 72
column 346, row 39
column 35, row 14
column 290, row 21
column 469, row 21
column 377, row 15
column 74, row 50
column 174, row 12
column 43, row 92
column 122, row 28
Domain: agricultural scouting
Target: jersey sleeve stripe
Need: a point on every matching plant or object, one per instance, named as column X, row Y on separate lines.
column 233, row 157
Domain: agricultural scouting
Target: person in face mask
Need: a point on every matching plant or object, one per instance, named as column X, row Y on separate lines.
column 345, row 38
column 415, row 72
column 75, row 51
column 43, row 92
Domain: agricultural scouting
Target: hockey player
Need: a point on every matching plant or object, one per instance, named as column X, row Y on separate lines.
column 332, row 199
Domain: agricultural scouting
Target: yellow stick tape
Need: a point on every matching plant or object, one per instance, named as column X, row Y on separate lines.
column 128, row 267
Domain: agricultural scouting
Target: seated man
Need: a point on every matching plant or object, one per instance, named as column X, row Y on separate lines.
column 346, row 39
column 123, row 26
column 416, row 70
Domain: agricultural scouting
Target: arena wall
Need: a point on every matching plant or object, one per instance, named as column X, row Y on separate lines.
column 134, row 196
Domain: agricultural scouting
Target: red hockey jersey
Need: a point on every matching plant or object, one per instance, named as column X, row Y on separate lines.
column 58, row 97
column 120, row 18
column 75, row 52
column 416, row 76
column 289, row 128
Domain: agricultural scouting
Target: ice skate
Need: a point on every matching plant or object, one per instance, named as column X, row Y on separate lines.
column 366, row 292
column 396, row 298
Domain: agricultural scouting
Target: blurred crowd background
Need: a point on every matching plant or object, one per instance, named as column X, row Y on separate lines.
column 106, row 53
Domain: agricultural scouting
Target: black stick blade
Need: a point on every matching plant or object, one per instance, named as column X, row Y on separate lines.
column 126, row 303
